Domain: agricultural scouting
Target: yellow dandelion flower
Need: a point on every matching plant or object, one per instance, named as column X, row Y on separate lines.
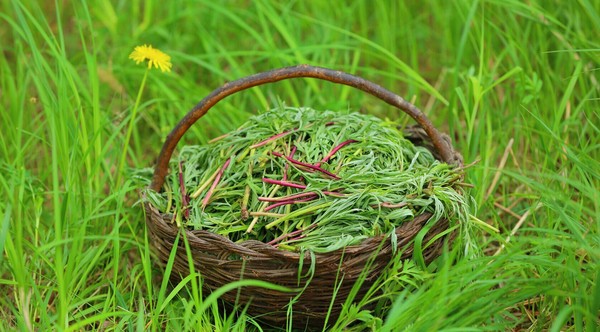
column 155, row 57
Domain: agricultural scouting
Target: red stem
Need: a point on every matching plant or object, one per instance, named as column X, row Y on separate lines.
column 270, row 139
column 294, row 233
column 299, row 237
column 214, row 184
column 310, row 166
column 287, row 198
column 334, row 150
column 287, row 166
column 284, row 183
column 299, row 186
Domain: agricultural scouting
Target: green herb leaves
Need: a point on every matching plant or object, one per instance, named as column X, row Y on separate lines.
column 297, row 177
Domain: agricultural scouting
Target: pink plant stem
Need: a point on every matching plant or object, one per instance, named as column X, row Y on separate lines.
column 270, row 139
column 284, row 183
column 291, row 201
column 185, row 199
column 287, row 166
column 290, row 234
column 287, row 198
column 298, row 186
column 334, row 151
column 300, row 237
column 310, row 166
column 214, row 184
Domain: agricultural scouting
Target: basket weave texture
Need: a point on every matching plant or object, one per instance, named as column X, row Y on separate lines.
column 221, row 261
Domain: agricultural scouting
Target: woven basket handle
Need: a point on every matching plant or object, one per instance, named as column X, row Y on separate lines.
column 443, row 147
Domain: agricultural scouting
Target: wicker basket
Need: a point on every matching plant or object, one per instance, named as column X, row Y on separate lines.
column 222, row 261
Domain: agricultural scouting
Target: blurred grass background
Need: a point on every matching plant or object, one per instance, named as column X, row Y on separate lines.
column 514, row 83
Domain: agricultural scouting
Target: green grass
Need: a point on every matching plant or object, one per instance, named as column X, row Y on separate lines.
column 515, row 83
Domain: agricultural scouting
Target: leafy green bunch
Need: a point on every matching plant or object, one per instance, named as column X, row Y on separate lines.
column 298, row 178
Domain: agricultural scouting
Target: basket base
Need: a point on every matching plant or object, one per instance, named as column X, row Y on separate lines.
column 221, row 262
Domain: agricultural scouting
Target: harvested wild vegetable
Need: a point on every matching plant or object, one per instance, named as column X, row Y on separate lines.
column 300, row 178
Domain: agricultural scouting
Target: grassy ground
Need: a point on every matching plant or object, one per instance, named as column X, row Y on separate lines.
column 515, row 83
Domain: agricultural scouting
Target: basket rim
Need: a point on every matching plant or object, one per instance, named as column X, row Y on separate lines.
column 257, row 248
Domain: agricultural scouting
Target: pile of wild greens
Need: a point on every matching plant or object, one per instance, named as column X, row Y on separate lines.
column 300, row 178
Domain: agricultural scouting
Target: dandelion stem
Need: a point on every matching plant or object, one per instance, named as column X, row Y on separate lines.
column 130, row 128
